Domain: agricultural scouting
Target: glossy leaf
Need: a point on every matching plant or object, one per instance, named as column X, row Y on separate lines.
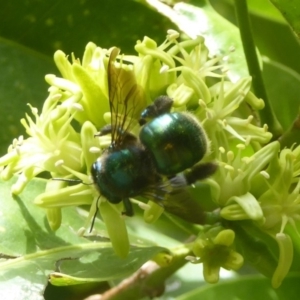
column 69, row 25
column 265, row 9
column 30, row 251
column 254, row 287
column 291, row 12
column 21, row 82
column 283, row 87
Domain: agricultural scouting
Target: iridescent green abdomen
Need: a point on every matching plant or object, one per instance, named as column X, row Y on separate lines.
column 176, row 140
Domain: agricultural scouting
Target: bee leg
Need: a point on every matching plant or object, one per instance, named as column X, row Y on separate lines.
column 160, row 106
column 104, row 130
column 199, row 172
column 163, row 105
column 128, row 208
column 95, row 214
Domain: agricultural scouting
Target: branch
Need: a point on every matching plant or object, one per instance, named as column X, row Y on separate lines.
column 148, row 281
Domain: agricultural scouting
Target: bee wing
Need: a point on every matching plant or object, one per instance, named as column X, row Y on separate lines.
column 126, row 97
column 181, row 204
column 176, row 198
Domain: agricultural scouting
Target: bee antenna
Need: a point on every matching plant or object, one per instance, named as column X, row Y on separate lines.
column 95, row 214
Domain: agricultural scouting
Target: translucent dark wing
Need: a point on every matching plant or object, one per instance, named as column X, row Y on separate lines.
column 176, row 194
column 182, row 204
column 126, row 97
column 176, row 198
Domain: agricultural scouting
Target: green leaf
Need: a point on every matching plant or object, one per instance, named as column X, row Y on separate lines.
column 21, row 82
column 102, row 265
column 24, row 226
column 254, row 287
column 265, row 9
column 69, row 25
column 291, row 11
column 283, row 87
column 261, row 8
column 31, row 251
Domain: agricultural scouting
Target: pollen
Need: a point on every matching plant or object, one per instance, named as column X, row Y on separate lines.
column 95, row 150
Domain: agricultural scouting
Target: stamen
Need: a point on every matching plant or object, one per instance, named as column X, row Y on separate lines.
column 78, row 106
column 231, row 49
column 34, row 110
column 202, row 103
column 241, row 146
column 209, row 115
column 143, row 205
column 94, row 150
column 225, row 58
column 230, row 156
column 81, row 231
column 248, row 140
column 242, row 93
column 172, row 35
column 265, row 174
column 222, row 150
column 14, row 143
column 55, row 97
column 191, row 258
column 250, row 118
column 247, row 160
column 229, row 168
column 224, row 70
column 164, row 69
column 20, row 140
column 59, row 163
column 18, row 150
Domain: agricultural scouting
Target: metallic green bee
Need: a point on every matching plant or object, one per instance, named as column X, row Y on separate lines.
column 161, row 162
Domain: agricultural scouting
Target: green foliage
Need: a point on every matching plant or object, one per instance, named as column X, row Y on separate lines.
column 31, row 253
column 38, row 251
